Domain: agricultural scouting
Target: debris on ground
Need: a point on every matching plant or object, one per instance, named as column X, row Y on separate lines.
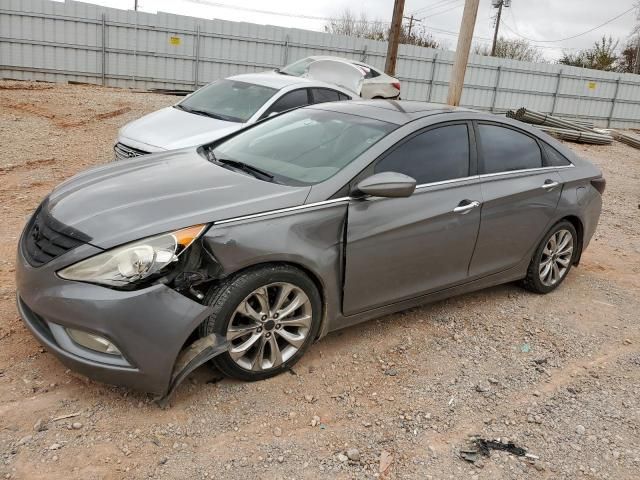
column 481, row 447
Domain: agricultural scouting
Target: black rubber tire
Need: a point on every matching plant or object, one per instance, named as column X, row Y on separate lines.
column 225, row 297
column 532, row 281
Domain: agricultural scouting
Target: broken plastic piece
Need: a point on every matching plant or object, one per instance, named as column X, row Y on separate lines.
column 192, row 357
column 482, row 447
column 485, row 447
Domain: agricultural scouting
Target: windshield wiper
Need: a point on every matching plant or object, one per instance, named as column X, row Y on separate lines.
column 208, row 114
column 250, row 169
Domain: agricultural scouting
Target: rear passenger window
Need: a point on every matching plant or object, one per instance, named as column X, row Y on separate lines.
column 553, row 158
column 343, row 96
column 322, row 95
column 293, row 99
column 438, row 154
column 504, row 150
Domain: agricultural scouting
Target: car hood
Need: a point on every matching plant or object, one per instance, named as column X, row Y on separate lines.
column 171, row 128
column 126, row 201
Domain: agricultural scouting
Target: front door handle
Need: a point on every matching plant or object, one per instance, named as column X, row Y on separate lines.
column 550, row 184
column 466, row 206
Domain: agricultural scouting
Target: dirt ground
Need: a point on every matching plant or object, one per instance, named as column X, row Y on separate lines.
column 558, row 375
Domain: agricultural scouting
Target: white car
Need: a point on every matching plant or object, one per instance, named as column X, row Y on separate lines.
column 221, row 108
column 376, row 84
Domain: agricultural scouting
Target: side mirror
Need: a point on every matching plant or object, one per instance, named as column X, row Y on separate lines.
column 387, row 184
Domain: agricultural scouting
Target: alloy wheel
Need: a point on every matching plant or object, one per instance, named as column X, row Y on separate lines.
column 269, row 326
column 556, row 257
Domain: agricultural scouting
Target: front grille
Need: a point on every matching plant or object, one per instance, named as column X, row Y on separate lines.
column 45, row 238
column 123, row 151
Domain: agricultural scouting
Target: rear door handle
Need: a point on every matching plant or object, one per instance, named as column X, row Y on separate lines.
column 550, row 184
column 466, row 206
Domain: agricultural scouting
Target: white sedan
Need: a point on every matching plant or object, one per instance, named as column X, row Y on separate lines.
column 376, row 84
column 221, row 108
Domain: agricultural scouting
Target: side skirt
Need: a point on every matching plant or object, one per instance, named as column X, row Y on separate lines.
column 515, row 273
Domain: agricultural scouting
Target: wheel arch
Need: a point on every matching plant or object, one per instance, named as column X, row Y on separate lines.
column 313, row 276
column 578, row 225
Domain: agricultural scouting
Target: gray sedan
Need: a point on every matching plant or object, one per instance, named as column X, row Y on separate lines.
column 246, row 250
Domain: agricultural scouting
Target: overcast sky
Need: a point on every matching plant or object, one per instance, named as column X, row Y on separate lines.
column 544, row 21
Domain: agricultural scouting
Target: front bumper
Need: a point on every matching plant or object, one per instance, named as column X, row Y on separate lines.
column 148, row 326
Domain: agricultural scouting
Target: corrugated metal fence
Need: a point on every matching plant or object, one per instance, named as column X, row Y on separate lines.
column 45, row 40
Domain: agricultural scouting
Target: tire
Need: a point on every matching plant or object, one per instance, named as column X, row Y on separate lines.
column 239, row 315
column 546, row 278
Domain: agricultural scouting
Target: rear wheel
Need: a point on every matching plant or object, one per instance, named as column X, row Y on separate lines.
column 270, row 315
column 553, row 258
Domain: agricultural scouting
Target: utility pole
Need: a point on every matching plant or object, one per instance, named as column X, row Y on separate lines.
column 411, row 20
column 636, row 66
column 462, row 51
column 495, row 32
column 394, row 38
column 135, row 5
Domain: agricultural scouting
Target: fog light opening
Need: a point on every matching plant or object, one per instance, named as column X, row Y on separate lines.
column 93, row 342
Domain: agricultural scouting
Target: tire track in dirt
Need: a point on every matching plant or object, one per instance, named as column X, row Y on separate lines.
column 60, row 122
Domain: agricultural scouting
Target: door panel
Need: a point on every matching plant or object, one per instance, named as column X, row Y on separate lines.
column 398, row 248
column 515, row 213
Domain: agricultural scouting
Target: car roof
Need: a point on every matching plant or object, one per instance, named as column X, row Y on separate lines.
column 392, row 111
column 274, row 80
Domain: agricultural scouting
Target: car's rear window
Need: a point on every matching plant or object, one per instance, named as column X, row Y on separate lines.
column 305, row 146
column 229, row 100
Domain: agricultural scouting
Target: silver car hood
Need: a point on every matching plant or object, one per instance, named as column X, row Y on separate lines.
column 126, row 201
column 171, row 128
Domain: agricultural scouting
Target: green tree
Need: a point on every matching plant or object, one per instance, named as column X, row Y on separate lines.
column 602, row 56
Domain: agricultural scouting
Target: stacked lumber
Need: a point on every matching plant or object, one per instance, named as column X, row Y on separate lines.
column 574, row 131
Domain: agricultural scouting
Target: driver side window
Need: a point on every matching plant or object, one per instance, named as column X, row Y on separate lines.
column 293, row 99
column 438, row 154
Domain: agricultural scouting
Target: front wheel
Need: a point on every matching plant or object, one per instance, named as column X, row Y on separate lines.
column 270, row 315
column 552, row 259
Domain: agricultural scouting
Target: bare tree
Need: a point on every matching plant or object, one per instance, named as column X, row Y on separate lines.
column 419, row 36
column 348, row 23
column 515, row 49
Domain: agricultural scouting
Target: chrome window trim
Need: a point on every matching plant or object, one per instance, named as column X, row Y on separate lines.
column 282, row 210
column 446, row 182
column 346, row 199
column 525, row 170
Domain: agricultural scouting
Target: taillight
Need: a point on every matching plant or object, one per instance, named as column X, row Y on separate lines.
column 396, row 85
column 599, row 184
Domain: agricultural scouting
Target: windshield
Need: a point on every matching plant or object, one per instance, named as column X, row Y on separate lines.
column 229, row 100
column 305, row 146
column 297, row 68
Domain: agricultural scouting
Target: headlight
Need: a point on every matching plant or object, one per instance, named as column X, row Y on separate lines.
column 134, row 261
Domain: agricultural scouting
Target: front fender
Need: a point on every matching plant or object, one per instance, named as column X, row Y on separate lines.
column 311, row 238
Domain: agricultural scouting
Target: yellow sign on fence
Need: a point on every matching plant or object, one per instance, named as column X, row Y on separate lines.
column 175, row 40
column 591, row 85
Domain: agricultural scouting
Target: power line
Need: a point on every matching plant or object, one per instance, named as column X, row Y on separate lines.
column 440, row 3
column 445, row 11
column 573, row 36
column 270, row 12
column 488, row 40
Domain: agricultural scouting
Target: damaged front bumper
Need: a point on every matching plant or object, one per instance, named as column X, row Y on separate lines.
column 149, row 327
